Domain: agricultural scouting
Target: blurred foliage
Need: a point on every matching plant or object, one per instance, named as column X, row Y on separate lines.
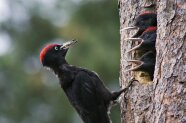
column 31, row 94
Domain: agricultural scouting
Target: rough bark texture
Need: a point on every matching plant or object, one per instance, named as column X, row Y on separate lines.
column 164, row 99
column 169, row 87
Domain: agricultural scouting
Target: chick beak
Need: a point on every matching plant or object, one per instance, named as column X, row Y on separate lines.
column 134, row 39
column 150, row 6
column 136, row 47
column 137, row 62
column 68, row 44
column 129, row 28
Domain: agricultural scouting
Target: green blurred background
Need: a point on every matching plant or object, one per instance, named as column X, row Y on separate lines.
column 28, row 92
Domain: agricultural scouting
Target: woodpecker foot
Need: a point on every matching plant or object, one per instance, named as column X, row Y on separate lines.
column 117, row 99
column 127, row 89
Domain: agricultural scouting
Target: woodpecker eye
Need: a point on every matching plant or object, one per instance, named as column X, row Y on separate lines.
column 56, row 48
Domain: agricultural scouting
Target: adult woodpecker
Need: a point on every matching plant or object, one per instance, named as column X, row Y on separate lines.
column 146, row 41
column 146, row 63
column 143, row 21
column 84, row 89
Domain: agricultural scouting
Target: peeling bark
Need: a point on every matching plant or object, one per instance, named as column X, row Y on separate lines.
column 164, row 99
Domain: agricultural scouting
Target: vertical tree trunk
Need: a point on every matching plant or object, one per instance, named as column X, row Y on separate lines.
column 164, row 99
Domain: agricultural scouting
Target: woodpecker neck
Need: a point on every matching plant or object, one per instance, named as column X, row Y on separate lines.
column 56, row 67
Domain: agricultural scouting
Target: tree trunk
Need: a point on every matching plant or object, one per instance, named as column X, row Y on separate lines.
column 162, row 100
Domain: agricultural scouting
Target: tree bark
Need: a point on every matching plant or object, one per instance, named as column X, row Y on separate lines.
column 162, row 100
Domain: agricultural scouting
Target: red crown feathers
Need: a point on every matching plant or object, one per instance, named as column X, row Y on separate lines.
column 45, row 50
column 151, row 28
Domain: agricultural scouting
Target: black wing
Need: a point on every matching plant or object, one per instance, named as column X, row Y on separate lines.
column 92, row 97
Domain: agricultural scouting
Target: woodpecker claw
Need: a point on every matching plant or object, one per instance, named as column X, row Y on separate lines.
column 138, row 62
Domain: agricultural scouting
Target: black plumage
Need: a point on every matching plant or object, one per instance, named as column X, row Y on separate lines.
column 146, row 63
column 146, row 41
column 84, row 89
column 143, row 21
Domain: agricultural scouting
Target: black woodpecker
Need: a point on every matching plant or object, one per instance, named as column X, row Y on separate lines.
column 84, row 89
column 143, row 21
column 146, row 41
column 146, row 63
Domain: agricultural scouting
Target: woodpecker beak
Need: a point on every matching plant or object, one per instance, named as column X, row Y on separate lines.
column 149, row 6
column 137, row 62
column 68, row 44
column 134, row 39
column 136, row 47
column 129, row 28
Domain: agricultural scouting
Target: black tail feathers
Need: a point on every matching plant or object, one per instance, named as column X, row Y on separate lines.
column 116, row 94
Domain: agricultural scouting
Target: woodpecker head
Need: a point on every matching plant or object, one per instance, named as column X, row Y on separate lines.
column 146, row 63
column 143, row 21
column 146, row 40
column 53, row 55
